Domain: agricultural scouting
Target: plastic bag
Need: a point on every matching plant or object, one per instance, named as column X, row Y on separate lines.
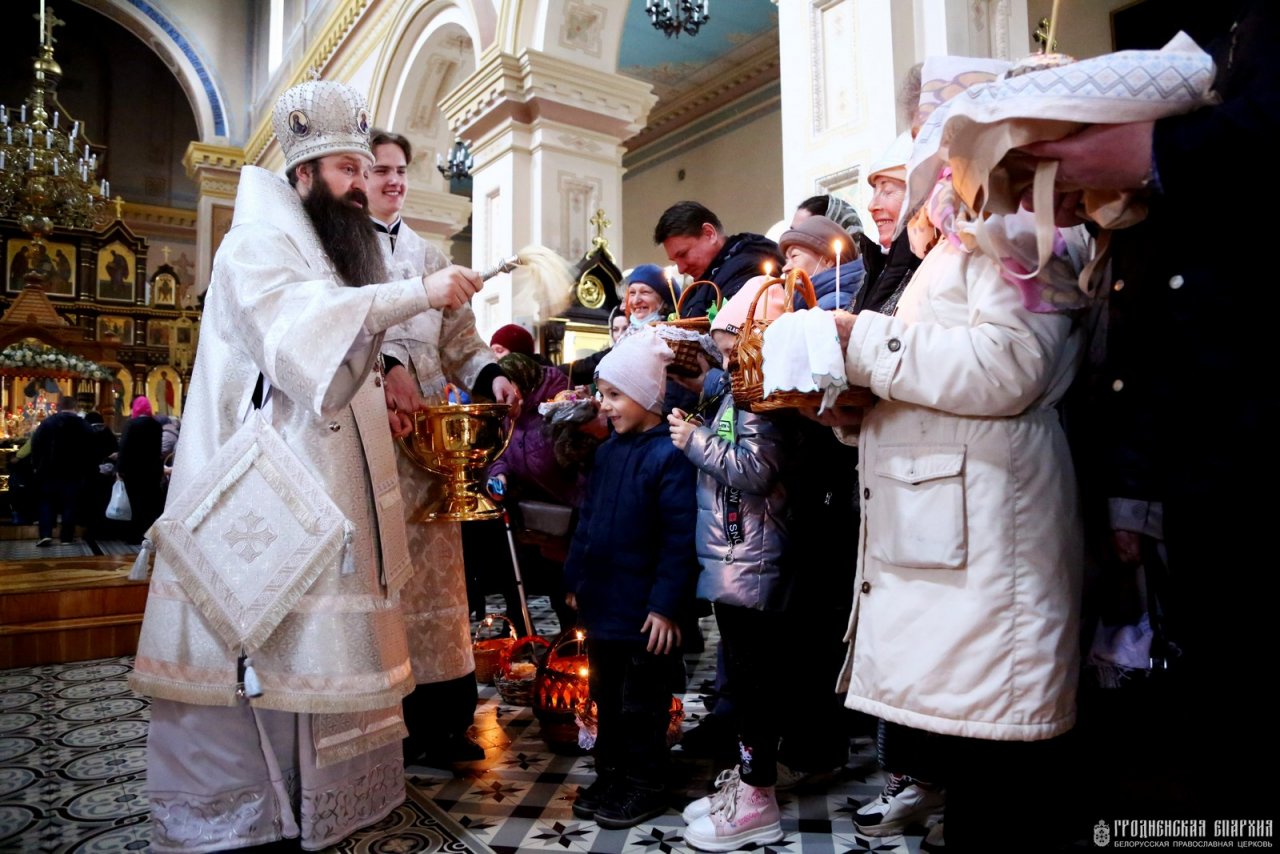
column 118, row 508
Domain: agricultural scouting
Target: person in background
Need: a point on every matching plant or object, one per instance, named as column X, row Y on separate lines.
column 694, row 240
column 103, row 446
column 811, row 246
column 61, row 459
column 630, row 575
column 419, row 356
column 511, row 338
column 141, row 466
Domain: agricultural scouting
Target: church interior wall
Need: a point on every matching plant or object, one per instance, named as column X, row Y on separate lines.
column 737, row 174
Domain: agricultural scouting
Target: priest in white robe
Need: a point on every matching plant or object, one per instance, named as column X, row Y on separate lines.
column 290, row 728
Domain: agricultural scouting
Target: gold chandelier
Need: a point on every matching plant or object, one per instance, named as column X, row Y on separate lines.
column 48, row 171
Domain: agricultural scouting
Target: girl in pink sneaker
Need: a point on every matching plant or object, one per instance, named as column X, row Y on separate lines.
column 741, row 536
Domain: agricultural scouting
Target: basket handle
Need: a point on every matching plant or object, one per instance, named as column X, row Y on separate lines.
column 487, row 622
column 518, row 647
column 799, row 279
column 576, row 634
column 692, row 285
column 769, row 283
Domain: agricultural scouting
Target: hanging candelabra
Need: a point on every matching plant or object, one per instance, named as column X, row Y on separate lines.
column 688, row 16
column 458, row 166
column 48, row 170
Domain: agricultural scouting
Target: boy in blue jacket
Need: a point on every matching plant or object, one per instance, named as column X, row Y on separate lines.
column 631, row 572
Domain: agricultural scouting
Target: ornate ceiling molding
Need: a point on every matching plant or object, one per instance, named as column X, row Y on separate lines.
column 535, row 84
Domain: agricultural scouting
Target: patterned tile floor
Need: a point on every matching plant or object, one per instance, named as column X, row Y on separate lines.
column 72, row 771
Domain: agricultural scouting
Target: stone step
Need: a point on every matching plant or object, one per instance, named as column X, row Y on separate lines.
column 68, row 609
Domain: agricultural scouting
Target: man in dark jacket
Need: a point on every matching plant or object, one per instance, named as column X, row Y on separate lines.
column 58, row 452
column 695, row 242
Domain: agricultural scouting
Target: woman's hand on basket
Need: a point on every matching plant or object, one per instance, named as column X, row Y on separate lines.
column 844, row 326
column 664, row 634
column 836, row 416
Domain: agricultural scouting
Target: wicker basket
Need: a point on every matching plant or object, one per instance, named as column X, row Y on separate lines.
column 674, row 725
column 746, row 376
column 687, row 351
column 514, row 684
column 561, row 691
column 488, row 652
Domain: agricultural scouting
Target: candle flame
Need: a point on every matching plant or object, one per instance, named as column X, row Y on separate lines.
column 582, row 671
column 767, row 267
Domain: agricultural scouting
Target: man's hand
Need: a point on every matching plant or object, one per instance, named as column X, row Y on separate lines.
column 835, row 416
column 505, row 391
column 1101, row 157
column 403, row 398
column 452, row 287
column 664, row 635
column 681, row 430
column 844, row 326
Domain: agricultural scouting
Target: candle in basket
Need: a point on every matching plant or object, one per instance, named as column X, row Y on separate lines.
column 767, row 267
column 837, row 245
column 672, row 287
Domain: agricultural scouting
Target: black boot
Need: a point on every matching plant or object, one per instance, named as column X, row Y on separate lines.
column 591, row 797
column 630, row 803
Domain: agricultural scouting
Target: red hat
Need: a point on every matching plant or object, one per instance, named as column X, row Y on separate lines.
column 515, row 338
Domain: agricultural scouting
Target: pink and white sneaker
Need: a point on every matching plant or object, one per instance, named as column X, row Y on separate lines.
column 747, row 814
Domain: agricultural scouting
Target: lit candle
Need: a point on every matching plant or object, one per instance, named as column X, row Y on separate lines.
column 55, row 118
column 22, row 116
column 31, row 162
column 86, row 151
column 71, row 144
column 672, row 288
column 55, row 167
column 75, row 128
column 1, row 161
column 8, row 136
column 4, row 115
column 837, row 246
column 767, row 267
column 84, row 172
column 103, row 186
column 28, row 137
column 1053, row 28
column 48, row 139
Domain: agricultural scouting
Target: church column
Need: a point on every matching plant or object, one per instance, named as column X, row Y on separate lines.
column 546, row 134
column 216, row 171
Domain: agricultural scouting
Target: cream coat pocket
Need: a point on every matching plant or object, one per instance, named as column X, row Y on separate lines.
column 916, row 507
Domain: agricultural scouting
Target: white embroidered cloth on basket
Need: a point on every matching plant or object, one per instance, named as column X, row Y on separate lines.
column 976, row 131
column 801, row 352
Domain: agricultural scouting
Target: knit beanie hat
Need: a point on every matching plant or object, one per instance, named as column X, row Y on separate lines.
column 637, row 366
column 818, row 234
column 733, row 314
column 515, row 338
column 655, row 278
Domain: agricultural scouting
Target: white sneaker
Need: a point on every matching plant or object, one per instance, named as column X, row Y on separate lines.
column 903, row 802
column 726, row 783
column 749, row 815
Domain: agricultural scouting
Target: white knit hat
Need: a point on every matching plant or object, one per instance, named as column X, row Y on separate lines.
column 320, row 117
column 893, row 163
column 637, row 367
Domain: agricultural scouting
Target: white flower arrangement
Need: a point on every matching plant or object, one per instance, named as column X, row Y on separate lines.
column 26, row 354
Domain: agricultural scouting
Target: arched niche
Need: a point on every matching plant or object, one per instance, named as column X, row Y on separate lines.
column 433, row 50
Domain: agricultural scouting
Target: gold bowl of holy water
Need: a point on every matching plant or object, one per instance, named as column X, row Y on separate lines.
column 459, row 442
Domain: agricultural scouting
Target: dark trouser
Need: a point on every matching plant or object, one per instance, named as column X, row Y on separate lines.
column 752, row 644
column 910, row 751
column 1002, row 795
column 632, row 691
column 438, row 710
column 58, row 497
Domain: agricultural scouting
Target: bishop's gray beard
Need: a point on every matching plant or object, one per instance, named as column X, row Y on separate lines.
column 347, row 235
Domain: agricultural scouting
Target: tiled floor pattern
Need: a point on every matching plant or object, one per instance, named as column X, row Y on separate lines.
column 72, row 771
column 28, row 550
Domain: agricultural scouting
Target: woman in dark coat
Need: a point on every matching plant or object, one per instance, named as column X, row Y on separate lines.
column 141, row 467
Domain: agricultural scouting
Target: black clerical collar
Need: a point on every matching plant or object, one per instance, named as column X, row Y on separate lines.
column 391, row 230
